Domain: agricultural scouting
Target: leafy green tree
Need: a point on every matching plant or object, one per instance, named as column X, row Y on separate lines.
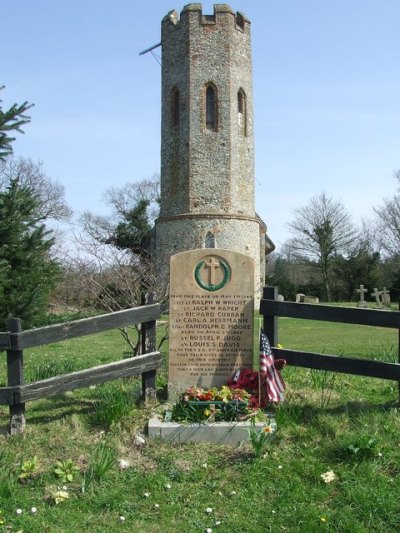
column 11, row 120
column 27, row 273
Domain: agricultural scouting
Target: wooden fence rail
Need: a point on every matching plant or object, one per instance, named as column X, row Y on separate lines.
column 271, row 309
column 17, row 393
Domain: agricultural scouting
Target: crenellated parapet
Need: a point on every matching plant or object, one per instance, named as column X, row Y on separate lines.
column 193, row 14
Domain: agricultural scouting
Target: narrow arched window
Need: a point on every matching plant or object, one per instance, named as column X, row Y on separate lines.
column 241, row 103
column 209, row 241
column 211, row 108
column 176, row 108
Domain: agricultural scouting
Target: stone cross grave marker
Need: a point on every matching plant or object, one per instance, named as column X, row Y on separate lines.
column 377, row 295
column 211, row 317
column 362, row 291
column 386, row 298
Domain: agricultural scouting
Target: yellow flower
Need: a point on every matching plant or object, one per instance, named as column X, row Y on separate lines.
column 267, row 429
column 323, row 519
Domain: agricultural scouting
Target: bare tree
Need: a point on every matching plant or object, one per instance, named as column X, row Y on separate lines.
column 322, row 229
column 115, row 262
column 48, row 193
column 388, row 223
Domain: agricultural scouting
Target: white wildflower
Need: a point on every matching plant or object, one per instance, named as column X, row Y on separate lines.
column 146, row 494
column 122, row 518
column 33, row 510
column 328, row 476
column 19, row 511
column 209, row 510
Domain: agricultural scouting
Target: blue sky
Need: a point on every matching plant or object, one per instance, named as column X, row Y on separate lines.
column 326, row 90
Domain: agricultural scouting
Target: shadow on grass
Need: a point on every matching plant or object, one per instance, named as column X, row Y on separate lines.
column 57, row 408
column 307, row 413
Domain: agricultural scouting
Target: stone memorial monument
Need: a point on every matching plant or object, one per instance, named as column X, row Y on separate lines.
column 386, row 298
column 361, row 291
column 377, row 295
column 211, row 317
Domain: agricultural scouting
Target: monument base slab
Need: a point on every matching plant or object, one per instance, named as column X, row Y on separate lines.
column 232, row 433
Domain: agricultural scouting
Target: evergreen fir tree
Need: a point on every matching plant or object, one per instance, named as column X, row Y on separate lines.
column 27, row 272
column 11, row 120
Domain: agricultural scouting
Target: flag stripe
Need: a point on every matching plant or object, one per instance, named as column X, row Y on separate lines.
column 273, row 380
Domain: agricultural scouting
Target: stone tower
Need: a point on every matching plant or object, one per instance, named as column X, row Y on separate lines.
column 207, row 143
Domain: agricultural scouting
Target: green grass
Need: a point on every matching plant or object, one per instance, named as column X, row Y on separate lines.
column 329, row 422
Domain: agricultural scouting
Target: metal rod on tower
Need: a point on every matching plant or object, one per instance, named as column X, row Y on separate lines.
column 149, row 49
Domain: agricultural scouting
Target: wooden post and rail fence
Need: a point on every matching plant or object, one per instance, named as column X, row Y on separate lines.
column 15, row 341
column 271, row 309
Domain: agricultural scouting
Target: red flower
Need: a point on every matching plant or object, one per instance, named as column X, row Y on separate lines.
column 254, row 403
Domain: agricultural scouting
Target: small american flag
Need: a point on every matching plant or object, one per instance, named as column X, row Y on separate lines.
column 273, row 380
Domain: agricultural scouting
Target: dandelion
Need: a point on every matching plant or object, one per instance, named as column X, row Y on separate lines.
column 18, row 511
column 328, row 476
column 64, row 487
column 208, row 530
column 323, row 519
column 33, row 510
column 209, row 510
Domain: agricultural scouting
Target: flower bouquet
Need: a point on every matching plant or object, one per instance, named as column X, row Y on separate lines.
column 211, row 405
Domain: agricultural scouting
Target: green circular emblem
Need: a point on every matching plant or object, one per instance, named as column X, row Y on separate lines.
column 205, row 274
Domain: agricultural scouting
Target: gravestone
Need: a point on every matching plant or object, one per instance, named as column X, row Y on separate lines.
column 362, row 291
column 300, row 297
column 211, row 317
column 386, row 298
column 311, row 300
column 377, row 294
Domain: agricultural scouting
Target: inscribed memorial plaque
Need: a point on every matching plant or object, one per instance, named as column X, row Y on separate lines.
column 211, row 317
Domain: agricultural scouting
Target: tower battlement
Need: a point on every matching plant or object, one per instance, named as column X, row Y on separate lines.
column 223, row 14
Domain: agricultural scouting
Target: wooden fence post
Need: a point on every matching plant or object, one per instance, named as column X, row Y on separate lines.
column 398, row 352
column 15, row 376
column 271, row 322
column 149, row 344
